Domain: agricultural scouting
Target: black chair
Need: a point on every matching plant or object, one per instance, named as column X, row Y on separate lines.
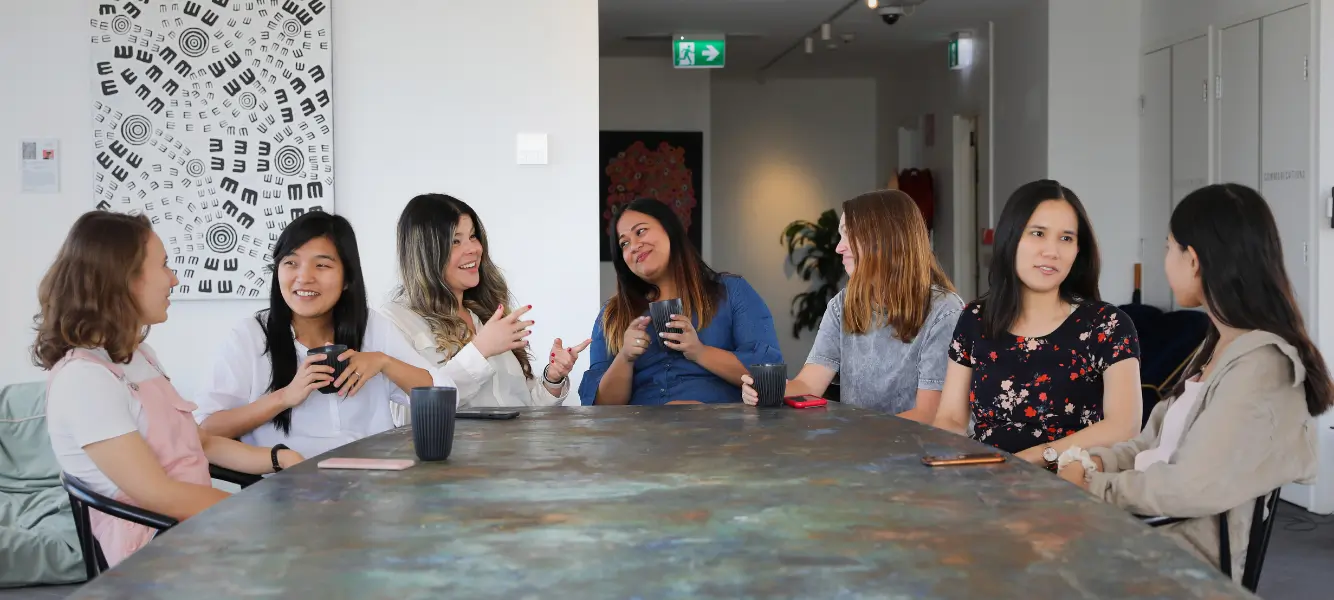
column 1168, row 340
column 244, row 480
column 82, row 498
column 1262, row 527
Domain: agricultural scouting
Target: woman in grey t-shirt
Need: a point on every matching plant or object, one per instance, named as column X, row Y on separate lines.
column 888, row 332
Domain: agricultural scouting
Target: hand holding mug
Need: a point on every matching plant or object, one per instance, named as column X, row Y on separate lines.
column 309, row 378
column 748, row 394
column 361, row 367
column 503, row 333
column 635, row 341
column 687, row 342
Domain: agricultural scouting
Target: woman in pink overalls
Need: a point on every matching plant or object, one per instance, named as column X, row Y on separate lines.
column 114, row 418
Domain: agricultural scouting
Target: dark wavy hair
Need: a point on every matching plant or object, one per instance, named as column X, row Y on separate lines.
column 701, row 287
column 85, row 297
column 350, row 313
column 1004, row 298
column 1245, row 284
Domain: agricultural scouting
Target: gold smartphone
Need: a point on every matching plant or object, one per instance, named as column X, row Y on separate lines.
column 963, row 459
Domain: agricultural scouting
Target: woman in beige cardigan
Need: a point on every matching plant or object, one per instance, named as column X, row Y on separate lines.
column 1242, row 422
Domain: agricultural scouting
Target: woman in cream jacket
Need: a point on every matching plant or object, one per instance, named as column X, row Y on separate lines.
column 1242, row 423
column 453, row 307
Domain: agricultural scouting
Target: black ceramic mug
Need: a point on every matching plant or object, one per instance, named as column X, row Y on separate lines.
column 770, row 383
column 433, row 410
column 331, row 354
column 661, row 312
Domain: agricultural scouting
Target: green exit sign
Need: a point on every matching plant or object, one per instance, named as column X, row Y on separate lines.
column 960, row 53
column 698, row 54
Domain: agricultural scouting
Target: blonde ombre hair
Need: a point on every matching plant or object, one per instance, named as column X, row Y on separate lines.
column 895, row 266
column 425, row 241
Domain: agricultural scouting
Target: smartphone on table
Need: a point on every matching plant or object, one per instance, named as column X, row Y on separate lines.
column 956, row 460
column 805, row 401
column 487, row 413
column 369, row 464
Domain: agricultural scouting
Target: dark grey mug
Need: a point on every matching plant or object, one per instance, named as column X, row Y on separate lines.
column 331, row 354
column 661, row 312
column 433, row 410
column 770, row 383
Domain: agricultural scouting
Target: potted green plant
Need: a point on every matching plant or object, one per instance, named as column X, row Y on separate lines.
column 812, row 255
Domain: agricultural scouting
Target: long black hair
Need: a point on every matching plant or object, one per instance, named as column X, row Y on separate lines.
column 1245, row 284
column 700, row 287
column 1004, row 299
column 350, row 313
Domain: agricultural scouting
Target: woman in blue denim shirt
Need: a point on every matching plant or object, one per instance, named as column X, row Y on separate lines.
column 728, row 326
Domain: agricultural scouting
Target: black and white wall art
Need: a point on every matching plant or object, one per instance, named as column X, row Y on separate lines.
column 214, row 119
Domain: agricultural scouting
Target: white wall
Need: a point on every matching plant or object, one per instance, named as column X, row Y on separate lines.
column 648, row 94
column 1093, row 125
column 438, row 118
column 1020, row 104
column 785, row 150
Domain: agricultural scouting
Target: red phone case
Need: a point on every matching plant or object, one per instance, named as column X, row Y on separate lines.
column 805, row 401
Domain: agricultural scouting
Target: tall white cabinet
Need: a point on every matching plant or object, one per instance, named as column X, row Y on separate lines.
column 1232, row 106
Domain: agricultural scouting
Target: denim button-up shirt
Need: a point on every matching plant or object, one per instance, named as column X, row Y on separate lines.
column 743, row 326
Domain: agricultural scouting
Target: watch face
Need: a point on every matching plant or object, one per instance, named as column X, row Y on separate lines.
column 1049, row 454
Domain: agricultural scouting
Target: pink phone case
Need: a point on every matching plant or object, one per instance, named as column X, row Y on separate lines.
column 374, row 464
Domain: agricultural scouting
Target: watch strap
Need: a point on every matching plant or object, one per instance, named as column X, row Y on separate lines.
column 273, row 455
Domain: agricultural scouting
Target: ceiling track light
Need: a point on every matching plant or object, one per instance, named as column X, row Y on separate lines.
column 872, row 4
column 807, row 41
column 826, row 32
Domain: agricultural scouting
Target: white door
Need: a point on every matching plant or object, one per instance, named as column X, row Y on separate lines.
column 1285, row 130
column 1238, row 97
column 1155, row 128
column 965, row 202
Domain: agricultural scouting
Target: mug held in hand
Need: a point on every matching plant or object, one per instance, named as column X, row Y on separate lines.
column 770, row 383
column 331, row 354
column 661, row 313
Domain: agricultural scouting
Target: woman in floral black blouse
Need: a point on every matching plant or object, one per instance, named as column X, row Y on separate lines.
column 1041, row 363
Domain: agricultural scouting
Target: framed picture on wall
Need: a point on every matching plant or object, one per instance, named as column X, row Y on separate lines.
column 666, row 165
column 215, row 120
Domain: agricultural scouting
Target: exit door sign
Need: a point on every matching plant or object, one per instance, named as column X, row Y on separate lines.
column 698, row 54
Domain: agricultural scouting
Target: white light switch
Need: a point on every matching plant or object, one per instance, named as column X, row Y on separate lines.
column 532, row 149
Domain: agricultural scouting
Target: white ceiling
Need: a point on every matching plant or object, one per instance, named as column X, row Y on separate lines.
column 759, row 30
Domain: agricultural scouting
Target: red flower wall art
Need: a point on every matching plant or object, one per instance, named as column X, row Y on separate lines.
column 667, row 166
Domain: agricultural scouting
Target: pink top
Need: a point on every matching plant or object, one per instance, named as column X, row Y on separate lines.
column 170, row 430
column 1174, row 424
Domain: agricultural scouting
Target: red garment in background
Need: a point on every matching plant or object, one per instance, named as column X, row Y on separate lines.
column 918, row 185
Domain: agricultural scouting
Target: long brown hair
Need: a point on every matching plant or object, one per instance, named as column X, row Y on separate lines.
column 1245, row 283
column 701, row 287
column 425, row 243
column 896, row 268
column 85, row 296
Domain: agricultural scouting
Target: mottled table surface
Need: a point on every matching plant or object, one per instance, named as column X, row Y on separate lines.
column 667, row 502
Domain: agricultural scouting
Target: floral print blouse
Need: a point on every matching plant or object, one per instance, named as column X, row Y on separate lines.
column 1027, row 391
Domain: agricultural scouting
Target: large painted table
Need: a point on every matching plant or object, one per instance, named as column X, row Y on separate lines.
column 666, row 502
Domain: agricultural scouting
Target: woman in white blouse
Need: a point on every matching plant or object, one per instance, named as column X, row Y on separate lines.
column 264, row 387
column 452, row 307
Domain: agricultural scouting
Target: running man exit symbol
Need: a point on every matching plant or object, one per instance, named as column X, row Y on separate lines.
column 698, row 54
